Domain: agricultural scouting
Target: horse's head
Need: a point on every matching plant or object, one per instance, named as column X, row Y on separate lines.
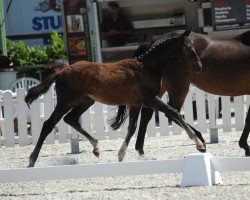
column 166, row 51
column 190, row 56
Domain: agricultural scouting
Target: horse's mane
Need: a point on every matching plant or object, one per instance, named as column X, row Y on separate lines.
column 155, row 47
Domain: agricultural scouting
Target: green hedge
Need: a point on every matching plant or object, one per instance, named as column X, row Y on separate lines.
column 23, row 55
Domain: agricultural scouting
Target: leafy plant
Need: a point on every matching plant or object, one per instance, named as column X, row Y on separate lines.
column 23, row 55
column 38, row 55
column 56, row 49
column 18, row 53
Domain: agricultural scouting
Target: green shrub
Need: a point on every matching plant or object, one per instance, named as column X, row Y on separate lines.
column 56, row 49
column 23, row 55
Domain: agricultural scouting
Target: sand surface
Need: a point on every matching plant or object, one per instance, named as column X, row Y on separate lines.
column 236, row 185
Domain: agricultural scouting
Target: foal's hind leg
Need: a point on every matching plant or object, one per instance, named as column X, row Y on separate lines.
column 173, row 114
column 243, row 139
column 48, row 126
column 72, row 118
column 133, row 118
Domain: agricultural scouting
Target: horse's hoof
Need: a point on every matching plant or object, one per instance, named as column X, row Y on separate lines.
column 245, row 147
column 142, row 157
column 247, row 153
column 96, row 152
column 201, row 148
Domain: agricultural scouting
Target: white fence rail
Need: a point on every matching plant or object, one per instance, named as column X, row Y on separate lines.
column 197, row 169
column 95, row 119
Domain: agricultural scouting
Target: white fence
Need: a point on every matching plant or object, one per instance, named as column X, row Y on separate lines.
column 95, row 119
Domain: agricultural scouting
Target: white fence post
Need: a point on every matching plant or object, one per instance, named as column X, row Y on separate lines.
column 188, row 108
column 36, row 122
column 22, row 114
column 239, row 112
column 48, row 109
column 201, row 110
column 99, row 120
column 8, row 116
column 226, row 113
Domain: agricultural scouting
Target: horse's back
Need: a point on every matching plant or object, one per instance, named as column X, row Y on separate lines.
column 225, row 60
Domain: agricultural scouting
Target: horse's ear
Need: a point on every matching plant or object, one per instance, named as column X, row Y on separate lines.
column 186, row 33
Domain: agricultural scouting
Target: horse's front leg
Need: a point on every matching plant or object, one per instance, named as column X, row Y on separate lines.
column 133, row 118
column 173, row 114
column 244, row 136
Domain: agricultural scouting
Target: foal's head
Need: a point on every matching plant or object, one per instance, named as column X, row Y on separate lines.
column 166, row 51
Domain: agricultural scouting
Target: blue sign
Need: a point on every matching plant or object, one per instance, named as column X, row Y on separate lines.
column 33, row 17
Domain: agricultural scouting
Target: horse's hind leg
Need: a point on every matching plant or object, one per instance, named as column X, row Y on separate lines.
column 244, row 136
column 173, row 114
column 72, row 118
column 133, row 118
column 48, row 126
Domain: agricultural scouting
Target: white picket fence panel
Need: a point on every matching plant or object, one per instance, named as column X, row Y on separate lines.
column 95, row 119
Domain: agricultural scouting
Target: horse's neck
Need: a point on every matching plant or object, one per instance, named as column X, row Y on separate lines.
column 157, row 67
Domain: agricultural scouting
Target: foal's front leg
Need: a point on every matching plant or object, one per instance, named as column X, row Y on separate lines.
column 172, row 113
column 133, row 118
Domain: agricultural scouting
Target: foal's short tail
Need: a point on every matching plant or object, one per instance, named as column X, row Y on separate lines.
column 119, row 119
column 40, row 89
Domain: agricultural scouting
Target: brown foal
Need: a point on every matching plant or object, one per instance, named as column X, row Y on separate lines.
column 83, row 83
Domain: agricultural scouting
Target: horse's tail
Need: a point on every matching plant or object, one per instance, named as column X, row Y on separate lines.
column 40, row 89
column 119, row 118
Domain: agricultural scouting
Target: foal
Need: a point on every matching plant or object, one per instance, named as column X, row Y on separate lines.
column 225, row 71
column 83, row 83
column 185, row 68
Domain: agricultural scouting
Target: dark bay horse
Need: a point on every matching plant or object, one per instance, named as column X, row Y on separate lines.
column 225, row 71
column 83, row 83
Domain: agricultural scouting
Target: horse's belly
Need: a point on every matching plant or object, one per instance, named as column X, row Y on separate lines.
column 226, row 88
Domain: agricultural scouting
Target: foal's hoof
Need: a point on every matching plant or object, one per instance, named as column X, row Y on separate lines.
column 96, row 152
column 201, row 148
column 121, row 155
column 247, row 153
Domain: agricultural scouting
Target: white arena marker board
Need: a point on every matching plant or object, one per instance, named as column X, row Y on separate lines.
column 91, row 170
